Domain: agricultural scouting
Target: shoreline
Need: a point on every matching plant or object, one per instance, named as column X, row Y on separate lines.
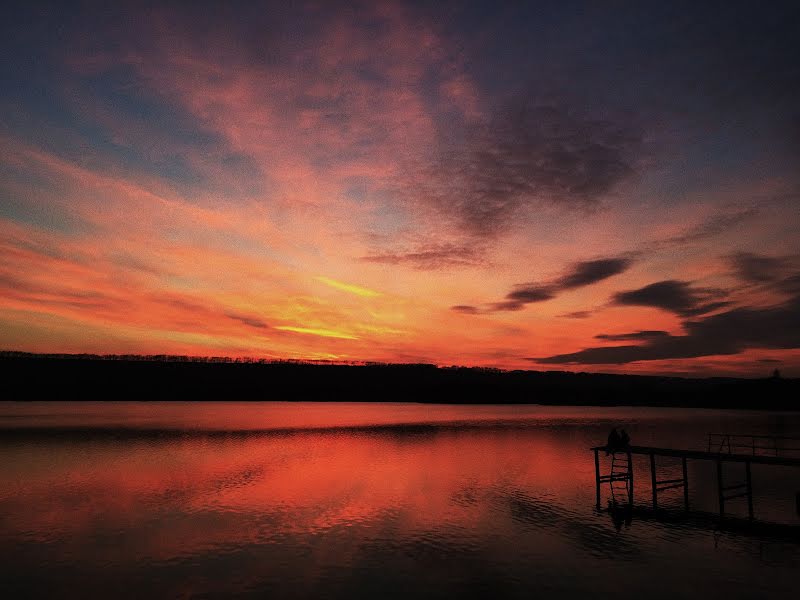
column 30, row 377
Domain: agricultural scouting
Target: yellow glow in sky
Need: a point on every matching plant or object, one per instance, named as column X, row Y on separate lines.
column 348, row 287
column 316, row 331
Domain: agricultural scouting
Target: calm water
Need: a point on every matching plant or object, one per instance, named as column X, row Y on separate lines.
column 369, row 500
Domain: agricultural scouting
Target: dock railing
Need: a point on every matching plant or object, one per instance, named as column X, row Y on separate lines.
column 755, row 445
column 723, row 448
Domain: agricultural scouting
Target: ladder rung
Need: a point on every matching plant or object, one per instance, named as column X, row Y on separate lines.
column 670, row 481
column 669, row 487
column 731, row 497
column 734, row 487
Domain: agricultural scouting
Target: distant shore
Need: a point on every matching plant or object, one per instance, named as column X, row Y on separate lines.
column 88, row 377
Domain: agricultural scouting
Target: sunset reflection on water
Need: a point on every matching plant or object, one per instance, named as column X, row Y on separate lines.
column 348, row 499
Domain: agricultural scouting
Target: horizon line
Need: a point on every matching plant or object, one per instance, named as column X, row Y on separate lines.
column 209, row 359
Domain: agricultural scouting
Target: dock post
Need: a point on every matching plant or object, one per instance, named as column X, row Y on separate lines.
column 597, row 475
column 630, row 479
column 720, row 490
column 685, row 485
column 653, row 479
column 749, row 490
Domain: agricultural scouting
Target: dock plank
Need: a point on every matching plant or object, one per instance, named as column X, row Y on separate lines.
column 705, row 455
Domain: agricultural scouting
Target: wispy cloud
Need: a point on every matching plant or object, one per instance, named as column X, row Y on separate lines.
column 466, row 309
column 757, row 268
column 577, row 314
column 674, row 296
column 248, row 320
column 528, row 155
column 432, row 256
column 712, row 226
column 348, row 287
column 633, row 336
column 329, row 333
column 577, row 275
column 592, row 271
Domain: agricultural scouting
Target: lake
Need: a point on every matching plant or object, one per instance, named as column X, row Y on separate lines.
column 353, row 500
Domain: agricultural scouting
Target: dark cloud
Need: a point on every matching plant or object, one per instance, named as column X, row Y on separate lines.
column 634, row 336
column 527, row 295
column 674, row 296
column 577, row 314
column 755, row 268
column 466, row 309
column 776, row 273
column 432, row 256
column 526, row 155
column 725, row 333
column 521, row 296
column 592, row 271
column 247, row 320
column 789, row 285
column 506, row 306
column 578, row 275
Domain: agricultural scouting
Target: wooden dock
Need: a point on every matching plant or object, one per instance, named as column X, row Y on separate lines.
column 722, row 448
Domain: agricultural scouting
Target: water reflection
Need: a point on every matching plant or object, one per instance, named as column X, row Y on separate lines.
column 317, row 500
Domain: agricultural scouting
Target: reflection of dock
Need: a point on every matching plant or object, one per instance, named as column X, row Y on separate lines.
column 700, row 520
column 721, row 449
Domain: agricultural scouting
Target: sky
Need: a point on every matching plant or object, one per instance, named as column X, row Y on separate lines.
column 607, row 187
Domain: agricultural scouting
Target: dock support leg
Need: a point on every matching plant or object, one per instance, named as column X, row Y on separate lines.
column 685, row 486
column 719, row 489
column 630, row 479
column 653, row 479
column 597, row 476
column 749, row 490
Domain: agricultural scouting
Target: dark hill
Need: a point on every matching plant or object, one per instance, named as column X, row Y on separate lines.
column 87, row 377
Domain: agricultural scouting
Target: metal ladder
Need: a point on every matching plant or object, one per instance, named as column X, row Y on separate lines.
column 620, row 478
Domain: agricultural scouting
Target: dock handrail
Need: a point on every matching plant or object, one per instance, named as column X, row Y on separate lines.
column 757, row 445
column 722, row 448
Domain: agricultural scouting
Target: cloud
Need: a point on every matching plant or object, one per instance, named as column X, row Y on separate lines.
column 673, row 296
column 509, row 306
column 634, row 336
column 591, row 271
column 523, row 295
column 526, row 155
column 579, row 274
column 789, row 285
column 248, row 320
column 714, row 226
column 466, row 309
column 319, row 331
column 577, row 314
column 725, row 333
column 350, row 288
column 432, row 256
column 755, row 268
column 527, row 295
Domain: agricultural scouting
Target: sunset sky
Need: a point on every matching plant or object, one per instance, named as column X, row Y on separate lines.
column 599, row 186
